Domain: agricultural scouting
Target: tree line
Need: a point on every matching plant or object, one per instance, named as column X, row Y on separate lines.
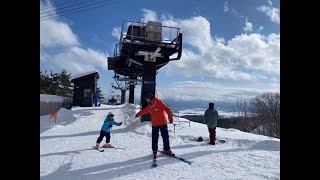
column 56, row 83
column 59, row 84
column 260, row 114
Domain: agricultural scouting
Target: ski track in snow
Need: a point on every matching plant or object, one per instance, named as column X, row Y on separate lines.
column 66, row 150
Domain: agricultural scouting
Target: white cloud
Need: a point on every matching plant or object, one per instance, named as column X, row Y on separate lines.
column 149, row 15
column 96, row 39
column 257, row 52
column 60, row 48
column 236, row 13
column 245, row 57
column 260, row 28
column 46, row 5
column 214, row 91
column 116, row 32
column 225, row 7
column 272, row 12
column 248, row 26
column 233, row 60
column 196, row 31
column 76, row 60
column 53, row 32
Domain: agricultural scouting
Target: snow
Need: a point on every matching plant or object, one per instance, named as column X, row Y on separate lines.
column 66, row 149
column 200, row 111
column 82, row 74
column 51, row 98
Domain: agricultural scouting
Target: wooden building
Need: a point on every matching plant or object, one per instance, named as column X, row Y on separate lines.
column 85, row 86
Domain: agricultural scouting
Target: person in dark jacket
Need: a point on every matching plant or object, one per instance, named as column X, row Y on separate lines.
column 210, row 118
column 96, row 96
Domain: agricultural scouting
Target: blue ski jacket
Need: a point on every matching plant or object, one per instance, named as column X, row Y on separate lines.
column 107, row 122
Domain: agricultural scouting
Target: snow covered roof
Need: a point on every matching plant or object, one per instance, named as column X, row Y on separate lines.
column 83, row 74
column 51, row 98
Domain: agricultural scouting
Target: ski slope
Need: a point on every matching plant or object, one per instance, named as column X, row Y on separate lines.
column 66, row 149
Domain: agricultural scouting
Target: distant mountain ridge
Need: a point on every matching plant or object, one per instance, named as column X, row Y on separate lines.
column 180, row 105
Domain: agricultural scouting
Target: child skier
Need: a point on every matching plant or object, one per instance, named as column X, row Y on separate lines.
column 105, row 130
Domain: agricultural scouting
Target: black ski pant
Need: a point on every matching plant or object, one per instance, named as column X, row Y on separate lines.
column 165, row 137
column 103, row 134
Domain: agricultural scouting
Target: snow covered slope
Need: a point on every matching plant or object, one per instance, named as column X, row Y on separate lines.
column 66, row 149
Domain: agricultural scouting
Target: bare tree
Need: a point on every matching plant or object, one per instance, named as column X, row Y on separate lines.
column 266, row 110
column 241, row 107
column 261, row 113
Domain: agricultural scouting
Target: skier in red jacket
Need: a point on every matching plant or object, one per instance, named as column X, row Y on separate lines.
column 157, row 109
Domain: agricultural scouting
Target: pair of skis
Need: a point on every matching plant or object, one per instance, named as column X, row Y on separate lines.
column 221, row 141
column 154, row 162
column 102, row 150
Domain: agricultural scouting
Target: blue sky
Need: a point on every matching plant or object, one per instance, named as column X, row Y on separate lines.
column 231, row 49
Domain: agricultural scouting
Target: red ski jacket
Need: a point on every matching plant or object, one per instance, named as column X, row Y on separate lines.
column 157, row 110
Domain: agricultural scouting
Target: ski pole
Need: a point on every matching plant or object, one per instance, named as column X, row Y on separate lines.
column 113, row 139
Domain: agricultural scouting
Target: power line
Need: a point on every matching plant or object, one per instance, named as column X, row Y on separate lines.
column 57, row 5
column 68, row 6
column 74, row 9
column 56, row 15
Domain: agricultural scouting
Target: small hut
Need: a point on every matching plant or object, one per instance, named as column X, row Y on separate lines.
column 85, row 86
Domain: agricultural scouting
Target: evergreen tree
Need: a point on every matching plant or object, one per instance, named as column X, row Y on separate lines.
column 45, row 83
column 66, row 89
column 54, row 86
column 56, row 83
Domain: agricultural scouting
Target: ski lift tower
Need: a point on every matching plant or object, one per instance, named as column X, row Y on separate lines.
column 129, row 84
column 123, row 89
column 142, row 50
